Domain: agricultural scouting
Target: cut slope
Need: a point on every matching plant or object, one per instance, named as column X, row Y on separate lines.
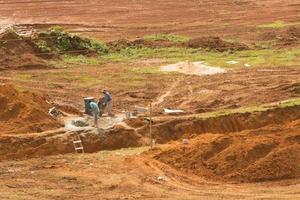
column 265, row 154
column 23, row 112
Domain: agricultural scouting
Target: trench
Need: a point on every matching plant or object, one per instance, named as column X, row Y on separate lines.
column 135, row 133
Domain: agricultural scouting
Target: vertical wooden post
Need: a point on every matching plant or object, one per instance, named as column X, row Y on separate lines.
column 150, row 128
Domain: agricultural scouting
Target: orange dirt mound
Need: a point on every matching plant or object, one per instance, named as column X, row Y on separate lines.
column 17, row 52
column 215, row 43
column 23, row 112
column 265, row 154
column 283, row 38
column 290, row 37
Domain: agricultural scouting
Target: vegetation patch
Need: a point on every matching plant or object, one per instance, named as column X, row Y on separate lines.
column 250, row 109
column 60, row 41
column 24, row 77
column 278, row 25
column 166, row 37
column 248, row 58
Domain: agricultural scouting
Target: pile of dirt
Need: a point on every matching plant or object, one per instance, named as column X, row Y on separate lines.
column 290, row 37
column 207, row 43
column 282, row 38
column 216, row 44
column 24, row 112
column 266, row 154
column 17, row 52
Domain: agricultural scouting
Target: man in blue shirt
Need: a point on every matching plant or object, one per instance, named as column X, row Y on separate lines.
column 108, row 101
column 95, row 110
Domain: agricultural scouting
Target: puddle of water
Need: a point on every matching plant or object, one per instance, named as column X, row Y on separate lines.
column 193, row 68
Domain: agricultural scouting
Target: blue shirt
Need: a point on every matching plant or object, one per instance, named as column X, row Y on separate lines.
column 94, row 107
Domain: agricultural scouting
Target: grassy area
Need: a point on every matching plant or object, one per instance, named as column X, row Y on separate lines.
column 166, row 37
column 24, row 77
column 255, row 108
column 278, row 25
column 80, row 59
column 80, row 79
column 250, row 58
column 254, row 58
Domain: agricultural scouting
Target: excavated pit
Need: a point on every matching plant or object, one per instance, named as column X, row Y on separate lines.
column 243, row 147
column 264, row 154
column 135, row 132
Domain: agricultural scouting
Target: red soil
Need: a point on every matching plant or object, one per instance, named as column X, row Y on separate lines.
column 18, row 53
column 24, row 112
column 269, row 153
column 215, row 43
column 113, row 19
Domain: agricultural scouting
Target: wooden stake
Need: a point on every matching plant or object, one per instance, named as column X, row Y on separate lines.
column 150, row 129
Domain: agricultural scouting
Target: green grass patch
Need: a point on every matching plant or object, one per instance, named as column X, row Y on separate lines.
column 144, row 70
column 24, row 77
column 166, row 37
column 82, row 80
column 250, row 109
column 80, row 59
column 278, row 25
column 255, row 58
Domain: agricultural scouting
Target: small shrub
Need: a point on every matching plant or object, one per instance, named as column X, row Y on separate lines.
column 99, row 47
column 56, row 29
column 43, row 46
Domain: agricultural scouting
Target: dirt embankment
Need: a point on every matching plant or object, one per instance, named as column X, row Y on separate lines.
column 61, row 142
column 136, row 133
column 20, row 52
column 289, row 37
column 249, row 147
column 17, row 52
column 167, row 130
column 215, row 43
column 206, row 43
column 265, row 154
column 24, row 112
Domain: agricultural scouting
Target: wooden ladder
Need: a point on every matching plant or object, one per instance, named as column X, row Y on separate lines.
column 77, row 143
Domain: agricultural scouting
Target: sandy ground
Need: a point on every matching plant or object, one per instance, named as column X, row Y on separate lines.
column 117, row 175
column 192, row 68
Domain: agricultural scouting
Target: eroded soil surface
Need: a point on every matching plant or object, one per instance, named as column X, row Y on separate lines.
column 109, row 19
column 122, row 175
column 198, row 154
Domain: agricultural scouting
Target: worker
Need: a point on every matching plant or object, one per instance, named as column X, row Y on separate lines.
column 96, row 111
column 108, row 102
